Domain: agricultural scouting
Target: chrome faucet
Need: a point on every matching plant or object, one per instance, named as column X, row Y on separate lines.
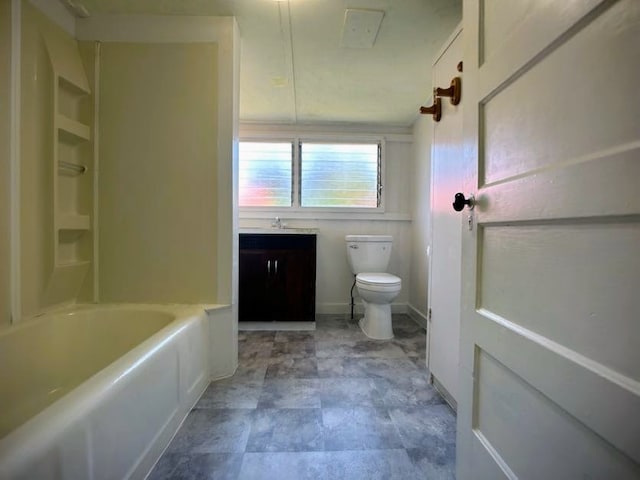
column 277, row 223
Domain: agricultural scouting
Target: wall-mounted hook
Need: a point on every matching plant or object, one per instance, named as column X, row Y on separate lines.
column 459, row 66
column 454, row 91
column 435, row 109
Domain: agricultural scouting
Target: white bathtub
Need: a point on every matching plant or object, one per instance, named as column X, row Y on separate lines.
column 98, row 392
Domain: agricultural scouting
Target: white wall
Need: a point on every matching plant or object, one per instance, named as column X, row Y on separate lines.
column 334, row 278
column 420, row 204
column 5, row 176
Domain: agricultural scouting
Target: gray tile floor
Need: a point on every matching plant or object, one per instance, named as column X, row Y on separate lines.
column 327, row 404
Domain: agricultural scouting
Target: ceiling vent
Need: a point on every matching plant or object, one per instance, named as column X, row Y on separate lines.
column 360, row 28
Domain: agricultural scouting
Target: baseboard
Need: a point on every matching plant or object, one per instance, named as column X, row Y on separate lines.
column 334, row 308
column 345, row 308
column 293, row 326
column 417, row 316
column 445, row 394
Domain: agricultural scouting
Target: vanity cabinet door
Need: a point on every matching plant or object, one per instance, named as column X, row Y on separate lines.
column 300, row 284
column 254, row 285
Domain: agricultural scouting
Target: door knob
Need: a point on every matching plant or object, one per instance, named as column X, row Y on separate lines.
column 459, row 202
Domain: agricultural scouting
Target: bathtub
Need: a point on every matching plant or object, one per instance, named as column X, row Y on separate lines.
column 97, row 392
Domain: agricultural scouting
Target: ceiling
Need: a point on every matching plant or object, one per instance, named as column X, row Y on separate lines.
column 294, row 70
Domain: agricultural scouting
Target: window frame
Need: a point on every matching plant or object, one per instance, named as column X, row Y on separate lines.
column 296, row 179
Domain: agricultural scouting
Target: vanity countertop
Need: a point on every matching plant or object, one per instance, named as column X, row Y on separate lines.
column 279, row 231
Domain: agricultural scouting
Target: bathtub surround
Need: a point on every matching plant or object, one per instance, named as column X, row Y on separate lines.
column 5, row 162
column 323, row 404
column 167, row 148
column 57, row 13
column 55, row 203
column 219, row 216
column 158, row 119
column 223, row 341
column 168, row 174
column 162, row 203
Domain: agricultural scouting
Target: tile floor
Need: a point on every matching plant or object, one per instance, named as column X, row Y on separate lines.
column 327, row 404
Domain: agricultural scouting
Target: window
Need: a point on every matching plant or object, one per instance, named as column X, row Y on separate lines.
column 265, row 174
column 311, row 174
column 339, row 175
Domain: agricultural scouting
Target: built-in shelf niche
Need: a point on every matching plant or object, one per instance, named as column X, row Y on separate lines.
column 74, row 185
column 58, row 124
column 70, row 96
column 79, row 223
column 71, row 250
column 71, row 131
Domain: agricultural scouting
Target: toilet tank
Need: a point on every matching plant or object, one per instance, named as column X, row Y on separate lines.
column 368, row 253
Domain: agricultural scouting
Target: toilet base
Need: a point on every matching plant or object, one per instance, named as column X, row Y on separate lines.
column 376, row 323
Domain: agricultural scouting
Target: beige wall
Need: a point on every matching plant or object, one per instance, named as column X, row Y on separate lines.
column 5, row 173
column 158, row 161
column 420, row 205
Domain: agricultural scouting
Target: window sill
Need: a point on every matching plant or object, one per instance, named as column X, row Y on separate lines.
column 287, row 214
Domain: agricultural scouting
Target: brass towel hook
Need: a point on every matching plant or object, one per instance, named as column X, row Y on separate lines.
column 454, row 91
column 435, row 109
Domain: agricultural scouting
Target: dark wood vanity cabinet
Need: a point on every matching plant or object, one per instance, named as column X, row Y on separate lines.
column 277, row 277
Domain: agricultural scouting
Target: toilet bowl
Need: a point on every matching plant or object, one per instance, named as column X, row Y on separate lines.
column 368, row 257
column 377, row 291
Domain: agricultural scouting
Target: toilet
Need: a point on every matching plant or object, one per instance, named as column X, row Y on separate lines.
column 368, row 257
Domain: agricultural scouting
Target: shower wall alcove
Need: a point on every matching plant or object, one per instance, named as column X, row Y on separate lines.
column 163, row 192
column 56, row 167
column 72, row 182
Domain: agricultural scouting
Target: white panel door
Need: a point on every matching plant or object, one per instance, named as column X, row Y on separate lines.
column 550, row 325
column 444, row 270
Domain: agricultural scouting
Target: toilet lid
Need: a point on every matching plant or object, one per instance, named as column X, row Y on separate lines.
column 378, row 279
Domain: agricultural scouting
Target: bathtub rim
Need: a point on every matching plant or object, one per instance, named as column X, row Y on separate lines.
column 37, row 433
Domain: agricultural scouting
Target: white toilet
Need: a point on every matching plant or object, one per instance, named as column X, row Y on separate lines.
column 368, row 258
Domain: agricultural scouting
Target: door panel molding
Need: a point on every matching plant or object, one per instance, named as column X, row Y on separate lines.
column 609, row 181
column 588, row 379
column 546, row 29
column 510, row 406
